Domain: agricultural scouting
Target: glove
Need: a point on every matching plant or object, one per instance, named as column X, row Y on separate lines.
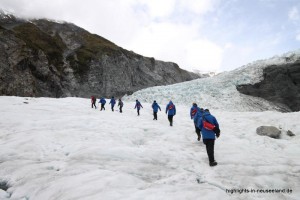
column 218, row 135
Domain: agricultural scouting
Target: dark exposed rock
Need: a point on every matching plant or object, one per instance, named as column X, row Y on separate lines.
column 4, row 185
column 281, row 84
column 44, row 58
column 290, row 133
column 269, row 131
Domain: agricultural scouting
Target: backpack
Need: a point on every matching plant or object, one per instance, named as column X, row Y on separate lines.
column 208, row 125
column 194, row 111
column 211, row 127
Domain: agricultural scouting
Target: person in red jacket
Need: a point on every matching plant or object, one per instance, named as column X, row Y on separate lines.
column 93, row 101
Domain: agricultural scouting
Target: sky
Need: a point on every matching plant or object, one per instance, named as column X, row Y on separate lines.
column 205, row 35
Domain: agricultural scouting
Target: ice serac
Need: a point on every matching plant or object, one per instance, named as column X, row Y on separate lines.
column 51, row 59
column 280, row 84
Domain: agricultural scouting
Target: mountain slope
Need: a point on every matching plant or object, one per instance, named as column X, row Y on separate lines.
column 220, row 91
column 46, row 58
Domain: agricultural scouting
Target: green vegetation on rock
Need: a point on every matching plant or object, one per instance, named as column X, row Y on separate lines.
column 34, row 38
column 93, row 48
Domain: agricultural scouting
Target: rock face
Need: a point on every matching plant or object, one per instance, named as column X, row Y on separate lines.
column 281, row 84
column 270, row 131
column 44, row 58
column 290, row 133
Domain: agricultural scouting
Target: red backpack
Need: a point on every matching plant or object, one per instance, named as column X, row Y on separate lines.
column 207, row 125
column 194, row 111
column 211, row 127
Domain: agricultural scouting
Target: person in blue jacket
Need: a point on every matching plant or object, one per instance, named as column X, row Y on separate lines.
column 195, row 114
column 171, row 111
column 112, row 102
column 103, row 102
column 155, row 108
column 208, row 134
column 138, row 106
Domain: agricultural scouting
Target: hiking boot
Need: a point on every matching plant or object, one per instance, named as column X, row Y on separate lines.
column 213, row 164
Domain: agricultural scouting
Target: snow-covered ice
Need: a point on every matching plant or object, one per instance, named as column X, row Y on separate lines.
column 54, row 149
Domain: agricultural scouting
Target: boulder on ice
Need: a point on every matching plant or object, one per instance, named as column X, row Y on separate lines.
column 270, row 131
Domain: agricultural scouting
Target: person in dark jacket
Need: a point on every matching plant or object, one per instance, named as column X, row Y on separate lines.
column 171, row 111
column 93, row 101
column 120, row 104
column 112, row 102
column 208, row 134
column 103, row 102
column 195, row 114
column 155, row 108
column 138, row 106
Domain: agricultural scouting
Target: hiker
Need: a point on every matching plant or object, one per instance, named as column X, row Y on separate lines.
column 93, row 101
column 155, row 108
column 209, row 127
column 112, row 102
column 103, row 102
column 171, row 111
column 120, row 104
column 138, row 106
column 195, row 114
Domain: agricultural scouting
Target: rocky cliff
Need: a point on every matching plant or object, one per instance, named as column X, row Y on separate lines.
column 50, row 59
column 280, row 84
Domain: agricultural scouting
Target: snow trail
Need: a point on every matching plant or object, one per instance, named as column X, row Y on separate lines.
column 63, row 149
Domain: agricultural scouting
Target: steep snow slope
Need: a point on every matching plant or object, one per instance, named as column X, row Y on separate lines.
column 219, row 92
column 55, row 149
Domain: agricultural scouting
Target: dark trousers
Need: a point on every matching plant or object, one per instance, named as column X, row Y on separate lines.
column 112, row 107
column 197, row 130
column 102, row 106
column 155, row 115
column 121, row 108
column 138, row 111
column 170, row 118
column 210, row 144
column 94, row 104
